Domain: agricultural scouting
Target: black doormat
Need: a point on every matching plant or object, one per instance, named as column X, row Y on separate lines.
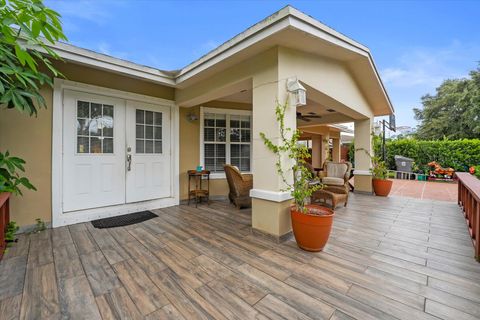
column 123, row 220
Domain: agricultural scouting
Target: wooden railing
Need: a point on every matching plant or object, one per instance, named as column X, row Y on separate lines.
column 469, row 201
column 4, row 219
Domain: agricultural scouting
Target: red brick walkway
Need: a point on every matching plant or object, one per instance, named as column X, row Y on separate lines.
column 425, row 190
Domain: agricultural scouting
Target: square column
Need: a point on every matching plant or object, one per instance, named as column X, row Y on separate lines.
column 270, row 205
column 316, row 151
column 336, row 150
column 325, row 147
column 363, row 140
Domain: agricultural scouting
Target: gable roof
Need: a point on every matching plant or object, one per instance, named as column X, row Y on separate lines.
column 264, row 33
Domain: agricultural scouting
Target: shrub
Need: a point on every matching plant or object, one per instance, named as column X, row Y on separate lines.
column 457, row 154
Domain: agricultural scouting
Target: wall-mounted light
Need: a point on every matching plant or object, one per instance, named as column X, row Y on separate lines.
column 191, row 117
column 299, row 93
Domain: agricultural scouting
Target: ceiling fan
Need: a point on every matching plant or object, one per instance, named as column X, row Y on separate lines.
column 307, row 117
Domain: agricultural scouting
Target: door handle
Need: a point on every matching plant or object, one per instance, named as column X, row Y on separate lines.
column 129, row 162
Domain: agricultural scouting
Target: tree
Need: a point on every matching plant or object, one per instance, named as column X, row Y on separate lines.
column 26, row 29
column 453, row 112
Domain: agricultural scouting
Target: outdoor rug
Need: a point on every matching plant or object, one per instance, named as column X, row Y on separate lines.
column 123, row 220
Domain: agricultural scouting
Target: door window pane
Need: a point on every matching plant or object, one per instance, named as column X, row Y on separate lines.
column 140, row 116
column 140, row 146
column 107, row 145
column 148, row 146
column 148, row 133
column 95, row 145
column 94, row 123
column 83, row 145
column 83, row 109
column 140, row 131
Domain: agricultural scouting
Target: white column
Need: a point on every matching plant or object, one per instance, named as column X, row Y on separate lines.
column 270, row 206
column 363, row 141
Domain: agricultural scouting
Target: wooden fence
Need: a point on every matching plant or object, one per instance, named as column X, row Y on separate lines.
column 469, row 201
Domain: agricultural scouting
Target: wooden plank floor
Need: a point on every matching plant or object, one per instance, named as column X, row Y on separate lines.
column 387, row 258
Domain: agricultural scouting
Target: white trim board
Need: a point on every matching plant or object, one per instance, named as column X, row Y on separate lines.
column 362, row 173
column 275, row 196
column 59, row 218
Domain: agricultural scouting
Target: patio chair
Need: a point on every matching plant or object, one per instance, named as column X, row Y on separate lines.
column 335, row 176
column 240, row 186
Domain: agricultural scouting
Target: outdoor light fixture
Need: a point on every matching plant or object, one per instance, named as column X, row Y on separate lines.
column 192, row 117
column 299, row 92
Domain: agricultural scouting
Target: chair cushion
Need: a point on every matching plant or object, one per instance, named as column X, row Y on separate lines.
column 336, row 170
column 334, row 181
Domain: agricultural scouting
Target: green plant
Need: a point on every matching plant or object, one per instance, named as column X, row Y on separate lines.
column 379, row 169
column 302, row 187
column 10, row 232
column 40, row 226
column 475, row 170
column 10, row 179
column 26, row 29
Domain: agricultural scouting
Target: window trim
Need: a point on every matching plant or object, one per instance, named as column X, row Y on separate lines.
column 228, row 113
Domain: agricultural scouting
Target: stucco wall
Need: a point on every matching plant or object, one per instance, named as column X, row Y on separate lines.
column 190, row 146
column 330, row 77
column 31, row 138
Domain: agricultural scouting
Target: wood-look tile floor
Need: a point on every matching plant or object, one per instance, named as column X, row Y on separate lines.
column 387, row 258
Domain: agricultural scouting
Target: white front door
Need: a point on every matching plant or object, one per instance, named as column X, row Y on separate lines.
column 93, row 151
column 148, row 152
column 115, row 151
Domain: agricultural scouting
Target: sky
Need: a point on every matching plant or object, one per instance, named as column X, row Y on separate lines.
column 415, row 44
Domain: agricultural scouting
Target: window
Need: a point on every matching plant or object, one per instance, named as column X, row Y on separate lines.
column 226, row 139
column 94, row 127
column 148, row 131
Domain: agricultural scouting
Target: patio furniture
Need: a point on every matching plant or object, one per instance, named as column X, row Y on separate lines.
column 239, row 185
column 336, row 174
column 199, row 192
column 335, row 195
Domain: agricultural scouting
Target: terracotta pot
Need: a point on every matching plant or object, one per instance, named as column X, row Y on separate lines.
column 382, row 187
column 311, row 231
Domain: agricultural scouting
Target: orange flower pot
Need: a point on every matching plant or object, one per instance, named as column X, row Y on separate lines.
column 312, row 229
column 382, row 187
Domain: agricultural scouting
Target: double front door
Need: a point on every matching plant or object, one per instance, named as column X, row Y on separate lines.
column 115, row 151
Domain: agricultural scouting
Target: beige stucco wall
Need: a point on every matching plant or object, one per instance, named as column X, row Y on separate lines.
column 190, row 146
column 329, row 77
column 31, row 138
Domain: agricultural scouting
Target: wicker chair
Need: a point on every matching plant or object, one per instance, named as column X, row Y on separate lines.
column 240, row 186
column 335, row 176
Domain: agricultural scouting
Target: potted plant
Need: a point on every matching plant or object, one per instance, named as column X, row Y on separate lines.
column 380, row 182
column 311, row 224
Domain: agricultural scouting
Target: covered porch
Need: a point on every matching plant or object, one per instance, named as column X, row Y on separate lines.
column 387, row 258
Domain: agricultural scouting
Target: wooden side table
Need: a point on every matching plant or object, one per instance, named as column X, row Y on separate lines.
column 199, row 192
